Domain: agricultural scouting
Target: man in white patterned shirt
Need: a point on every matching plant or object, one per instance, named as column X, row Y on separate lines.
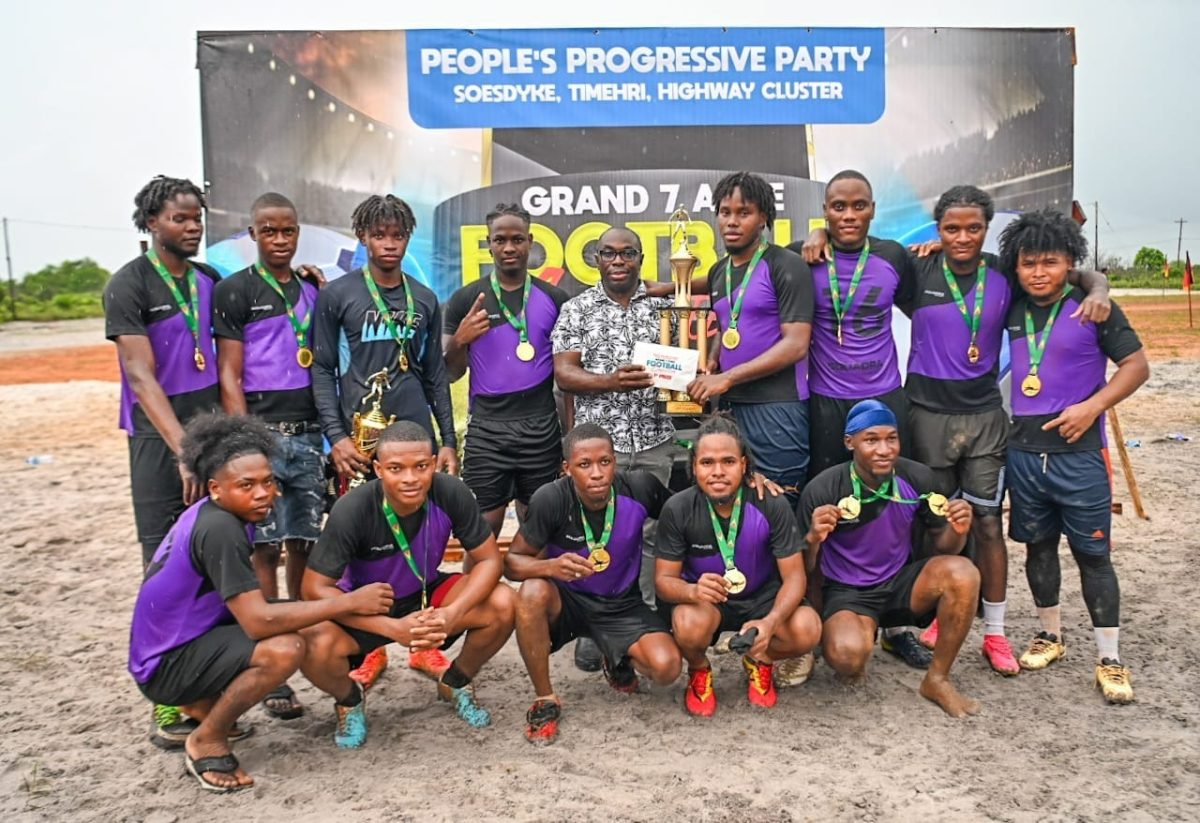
column 593, row 346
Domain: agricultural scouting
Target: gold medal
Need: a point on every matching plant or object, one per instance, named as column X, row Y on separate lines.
column 937, row 504
column 1031, row 385
column 973, row 353
column 304, row 357
column 198, row 356
column 403, row 360
column 736, row 580
column 849, row 507
column 731, row 338
column 600, row 559
column 525, row 351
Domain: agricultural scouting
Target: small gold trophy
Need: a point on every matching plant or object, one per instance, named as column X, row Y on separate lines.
column 367, row 427
column 683, row 263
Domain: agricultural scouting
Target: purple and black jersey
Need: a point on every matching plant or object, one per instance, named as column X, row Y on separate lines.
column 202, row 562
column 247, row 309
column 137, row 302
column 940, row 377
column 874, row 546
column 351, row 341
column 357, row 547
column 1072, row 370
column 865, row 365
column 554, row 524
column 767, row 532
column 781, row 291
column 502, row 385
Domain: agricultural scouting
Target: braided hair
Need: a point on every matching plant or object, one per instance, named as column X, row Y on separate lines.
column 379, row 210
column 212, row 440
column 964, row 197
column 1041, row 232
column 723, row 423
column 508, row 209
column 754, row 190
column 154, row 196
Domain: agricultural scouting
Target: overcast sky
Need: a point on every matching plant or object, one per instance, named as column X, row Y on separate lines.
column 99, row 97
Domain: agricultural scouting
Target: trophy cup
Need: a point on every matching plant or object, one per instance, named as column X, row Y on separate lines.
column 683, row 263
column 367, row 427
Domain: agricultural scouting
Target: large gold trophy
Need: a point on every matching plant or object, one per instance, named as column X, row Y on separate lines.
column 683, row 263
column 367, row 427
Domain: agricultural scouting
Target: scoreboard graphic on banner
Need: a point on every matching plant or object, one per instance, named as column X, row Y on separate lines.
column 592, row 128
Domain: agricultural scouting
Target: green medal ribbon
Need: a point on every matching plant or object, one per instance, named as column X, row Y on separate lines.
column 517, row 321
column 727, row 542
column 386, row 313
column 972, row 317
column 1036, row 346
column 300, row 328
column 840, row 310
column 886, row 490
column 402, row 544
column 735, row 303
column 188, row 308
column 609, row 514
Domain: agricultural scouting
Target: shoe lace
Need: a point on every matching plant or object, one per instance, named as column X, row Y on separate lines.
column 349, row 721
column 1041, row 645
column 760, row 675
column 167, row 715
column 701, row 683
column 1114, row 675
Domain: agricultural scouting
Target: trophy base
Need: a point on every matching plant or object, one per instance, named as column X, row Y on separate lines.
column 681, row 408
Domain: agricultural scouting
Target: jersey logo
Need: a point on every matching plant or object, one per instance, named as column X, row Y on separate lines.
column 160, row 308
column 375, row 329
column 1098, row 533
column 933, row 293
column 867, row 318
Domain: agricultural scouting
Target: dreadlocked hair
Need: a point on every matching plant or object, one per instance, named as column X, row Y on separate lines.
column 584, row 431
column 754, row 190
column 722, row 422
column 212, row 440
column 1041, row 232
column 155, row 195
column 964, row 197
column 849, row 174
column 379, row 211
column 508, row 209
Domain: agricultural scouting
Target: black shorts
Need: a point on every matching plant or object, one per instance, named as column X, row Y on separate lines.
column 368, row 642
column 827, row 426
column 507, row 460
column 736, row 613
column 888, row 603
column 965, row 452
column 614, row 623
column 200, row 669
column 157, row 491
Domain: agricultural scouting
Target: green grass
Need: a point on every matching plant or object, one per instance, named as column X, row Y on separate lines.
column 59, row 307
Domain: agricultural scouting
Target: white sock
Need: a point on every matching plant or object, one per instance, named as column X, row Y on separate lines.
column 993, row 617
column 1106, row 642
column 1051, row 620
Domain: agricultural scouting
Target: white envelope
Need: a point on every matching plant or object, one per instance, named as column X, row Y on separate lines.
column 671, row 367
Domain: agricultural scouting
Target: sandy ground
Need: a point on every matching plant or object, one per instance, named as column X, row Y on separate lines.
column 72, row 725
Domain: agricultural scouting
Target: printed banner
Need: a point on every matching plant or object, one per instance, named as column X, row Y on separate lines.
column 543, row 78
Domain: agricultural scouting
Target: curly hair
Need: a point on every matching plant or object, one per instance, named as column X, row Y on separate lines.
column 1041, row 232
column 212, row 440
column 967, row 197
column 723, row 423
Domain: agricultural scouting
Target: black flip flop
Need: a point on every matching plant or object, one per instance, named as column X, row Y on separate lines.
column 225, row 764
column 283, row 692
